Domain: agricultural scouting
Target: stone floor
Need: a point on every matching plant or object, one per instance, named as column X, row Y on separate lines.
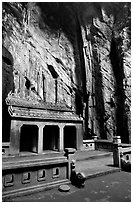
column 114, row 187
column 95, row 167
column 93, row 164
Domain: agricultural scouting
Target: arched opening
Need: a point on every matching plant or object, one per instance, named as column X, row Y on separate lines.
column 29, row 138
column 69, row 137
column 51, row 137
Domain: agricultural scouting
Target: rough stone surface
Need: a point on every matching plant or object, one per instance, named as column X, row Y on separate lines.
column 78, row 54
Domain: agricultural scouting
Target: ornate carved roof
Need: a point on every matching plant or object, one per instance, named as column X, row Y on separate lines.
column 21, row 108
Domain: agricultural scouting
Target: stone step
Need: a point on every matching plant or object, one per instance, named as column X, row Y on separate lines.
column 96, row 167
column 102, row 173
column 89, row 155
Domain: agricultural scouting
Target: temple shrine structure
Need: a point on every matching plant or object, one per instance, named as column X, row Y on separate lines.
column 66, row 80
column 36, row 131
column 36, row 127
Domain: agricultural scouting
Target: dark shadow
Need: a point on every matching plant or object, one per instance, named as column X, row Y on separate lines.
column 29, row 138
column 78, row 179
column 123, row 168
column 99, row 107
column 78, row 103
column 117, row 65
column 51, row 137
column 126, row 169
column 111, row 165
column 70, row 137
column 7, row 86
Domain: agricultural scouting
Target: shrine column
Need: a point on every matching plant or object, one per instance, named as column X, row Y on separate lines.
column 61, row 137
column 40, row 138
column 79, row 136
column 15, row 136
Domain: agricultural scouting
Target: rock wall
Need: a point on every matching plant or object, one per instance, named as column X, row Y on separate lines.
column 34, row 52
column 70, row 53
column 106, row 37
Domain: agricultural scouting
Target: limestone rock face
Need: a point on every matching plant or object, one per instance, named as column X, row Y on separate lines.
column 107, row 55
column 37, row 55
column 103, row 79
column 77, row 54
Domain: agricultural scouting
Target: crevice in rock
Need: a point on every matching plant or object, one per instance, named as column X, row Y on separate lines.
column 99, row 98
column 6, row 60
column 121, row 118
column 80, row 62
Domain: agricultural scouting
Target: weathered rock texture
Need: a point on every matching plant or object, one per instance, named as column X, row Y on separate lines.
column 77, row 54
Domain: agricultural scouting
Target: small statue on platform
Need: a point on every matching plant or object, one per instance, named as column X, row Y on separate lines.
column 77, row 178
column 125, row 162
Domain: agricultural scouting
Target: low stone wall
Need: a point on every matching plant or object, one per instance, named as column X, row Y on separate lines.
column 88, row 145
column 103, row 145
column 121, row 154
column 24, row 176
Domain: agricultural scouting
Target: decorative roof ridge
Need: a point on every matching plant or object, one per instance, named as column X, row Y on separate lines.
column 23, row 112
